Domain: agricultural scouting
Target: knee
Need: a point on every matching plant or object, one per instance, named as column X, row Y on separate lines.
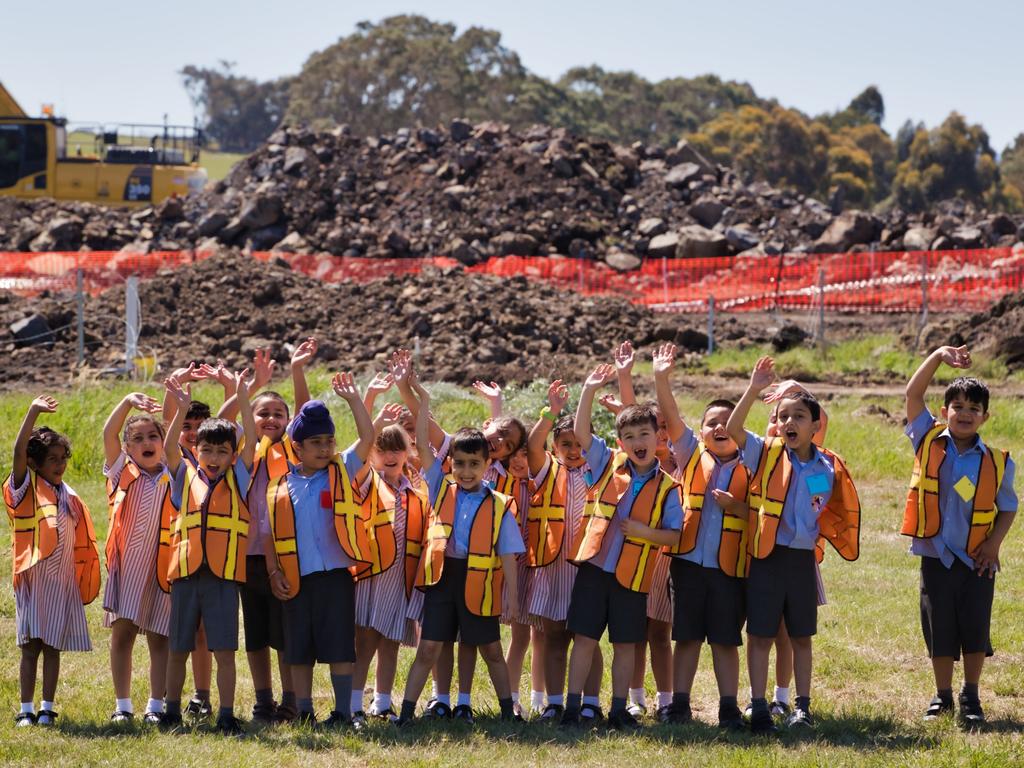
column 801, row 643
column 492, row 652
column 761, row 644
column 428, row 652
column 225, row 659
column 659, row 633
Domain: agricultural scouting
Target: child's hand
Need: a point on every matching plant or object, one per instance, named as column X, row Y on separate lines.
column 43, row 404
column 262, row 369
column 305, row 352
column 390, row 414
column 380, row 384
column 610, row 403
column 401, row 366
column 763, row 374
column 986, row 558
column 784, row 389
column 664, row 358
column 143, row 402
column 956, row 357
column 183, row 375
column 219, row 373
column 180, row 394
column 558, row 395
column 624, row 357
column 243, row 384
column 600, row 376
column 344, row 386
column 632, row 528
column 279, row 585
column 729, row 502
column 490, row 391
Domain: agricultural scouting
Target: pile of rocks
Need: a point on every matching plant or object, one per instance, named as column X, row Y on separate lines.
column 473, row 191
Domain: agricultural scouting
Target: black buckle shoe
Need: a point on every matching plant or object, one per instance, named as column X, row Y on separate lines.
column 570, row 719
column 677, row 714
column 437, row 710
column 730, row 718
column 623, row 721
column 552, row 713
column 971, row 713
column 265, row 713
column 46, row 717
column 335, row 722
column 761, row 723
column 169, row 722
column 591, row 714
column 800, row 718
column 463, row 712
column 937, row 708
column 229, row 725
column 121, row 717
column 198, row 708
column 24, row 719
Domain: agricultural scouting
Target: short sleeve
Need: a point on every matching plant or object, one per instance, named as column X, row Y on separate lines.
column 113, row 472
column 178, row 484
column 17, row 494
column 539, row 478
column 242, row 475
column 1006, row 498
column 352, row 462
column 672, row 520
column 684, row 447
column 434, row 476
column 750, row 451
column 598, row 456
column 918, row 428
column 510, row 539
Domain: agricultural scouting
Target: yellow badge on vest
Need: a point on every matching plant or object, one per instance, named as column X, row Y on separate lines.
column 965, row 488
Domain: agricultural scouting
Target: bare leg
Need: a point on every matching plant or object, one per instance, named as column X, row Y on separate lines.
column 29, row 669
column 495, row 660
column 285, row 670
column 803, row 661
column 639, row 671
column 387, row 665
column 580, row 661
column 758, row 652
column 783, row 657
column 202, row 661
column 942, row 666
column 158, row 646
column 175, row 674
column 259, row 666
column 225, row 678
column 538, row 650
column 467, row 667
column 51, row 671
column 556, row 651
column 973, row 663
column 684, row 663
column 726, row 660
column 426, row 658
column 517, row 654
column 122, row 641
column 622, row 668
column 443, row 667
column 367, row 643
column 659, row 635
column 592, row 686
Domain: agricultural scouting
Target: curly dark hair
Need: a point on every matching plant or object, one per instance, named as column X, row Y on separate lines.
column 40, row 442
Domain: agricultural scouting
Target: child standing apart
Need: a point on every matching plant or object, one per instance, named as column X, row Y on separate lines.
column 136, row 599
column 55, row 562
column 960, row 507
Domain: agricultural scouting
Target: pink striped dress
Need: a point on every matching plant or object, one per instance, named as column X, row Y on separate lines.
column 659, row 599
column 47, row 603
column 381, row 603
column 551, row 586
column 132, row 590
column 520, row 613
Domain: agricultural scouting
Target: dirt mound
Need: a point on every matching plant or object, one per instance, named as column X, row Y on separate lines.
column 472, row 191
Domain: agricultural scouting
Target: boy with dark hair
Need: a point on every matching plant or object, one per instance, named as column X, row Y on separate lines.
column 959, row 509
column 800, row 496
column 710, row 557
column 633, row 509
column 469, row 553
column 208, row 546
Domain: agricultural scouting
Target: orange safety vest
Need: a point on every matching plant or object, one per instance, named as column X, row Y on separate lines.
column 277, row 458
column 922, row 517
column 484, row 576
column 732, row 547
column 221, row 542
column 634, row 568
column 349, row 522
column 118, row 533
column 34, row 538
column 838, row 521
column 545, row 519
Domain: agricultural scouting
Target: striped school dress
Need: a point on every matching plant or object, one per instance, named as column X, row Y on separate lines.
column 520, row 613
column 381, row 603
column 47, row 602
column 132, row 591
column 551, row 586
column 659, row 598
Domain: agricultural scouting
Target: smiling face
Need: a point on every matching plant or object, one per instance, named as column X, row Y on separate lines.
column 190, row 432
column 714, row 435
column 568, row 449
column 52, row 468
column 964, row 417
column 640, row 442
column 144, row 444
column 215, row 458
column 502, row 438
column 271, row 416
column 468, row 469
column 315, row 452
column 795, row 425
column 518, row 466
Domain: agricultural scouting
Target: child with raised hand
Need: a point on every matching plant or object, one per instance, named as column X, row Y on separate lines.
column 318, row 524
column 208, row 546
column 396, row 514
column 799, row 496
column 709, row 559
column 959, row 509
column 467, row 520
column 55, row 563
column 136, row 598
column 553, row 523
column 633, row 509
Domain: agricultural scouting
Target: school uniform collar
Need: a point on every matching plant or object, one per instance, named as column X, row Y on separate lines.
column 646, row 475
column 818, row 456
column 978, row 445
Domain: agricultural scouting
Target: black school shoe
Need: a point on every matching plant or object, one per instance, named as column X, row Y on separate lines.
column 24, row 719
column 800, row 718
column 437, row 711
column 730, row 718
column 938, row 708
column 335, row 722
column 591, row 714
column 198, row 708
column 229, row 725
column 120, row 717
column 169, row 722
column 46, row 717
column 464, row 713
column 265, row 713
column 552, row 713
column 152, row 718
column 676, row 714
column 570, row 719
column 305, row 720
column 623, row 721
column 762, row 724
column 971, row 713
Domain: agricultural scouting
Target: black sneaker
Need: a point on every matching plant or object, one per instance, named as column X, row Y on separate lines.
column 198, row 708
column 938, row 708
column 46, row 717
column 761, row 723
column 285, row 713
column 229, row 725
column 463, row 712
column 152, row 718
column 623, row 721
column 677, row 714
column 121, row 717
column 570, row 719
column 265, row 713
column 800, row 718
column 971, row 713
column 730, row 718
column 552, row 713
column 358, row 720
column 335, row 722
column 24, row 719
column 437, row 710
column 664, row 714
column 169, row 722
column 591, row 714
column 779, row 709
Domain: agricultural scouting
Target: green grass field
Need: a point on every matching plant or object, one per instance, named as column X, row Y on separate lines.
column 872, row 679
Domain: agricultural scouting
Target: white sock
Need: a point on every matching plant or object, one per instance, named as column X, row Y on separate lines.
column 155, row 705
column 593, row 701
column 537, row 699
column 124, row 705
column 465, row 699
column 46, row 705
column 29, row 707
column 443, row 698
column 637, row 696
column 356, row 701
column 664, row 699
column 555, row 698
column 381, row 701
column 782, row 695
column 433, row 689
column 515, row 697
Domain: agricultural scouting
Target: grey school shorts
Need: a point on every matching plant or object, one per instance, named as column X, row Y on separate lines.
column 203, row 596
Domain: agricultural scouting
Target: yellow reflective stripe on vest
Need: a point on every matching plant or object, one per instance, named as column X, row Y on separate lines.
column 665, row 484
column 766, row 506
column 378, row 516
column 693, row 501
column 438, row 529
column 600, row 508
column 919, row 479
column 347, row 509
column 489, row 562
column 234, row 526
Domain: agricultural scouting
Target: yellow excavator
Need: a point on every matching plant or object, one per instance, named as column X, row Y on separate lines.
column 132, row 165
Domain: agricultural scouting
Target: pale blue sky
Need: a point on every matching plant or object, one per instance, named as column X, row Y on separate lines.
column 927, row 58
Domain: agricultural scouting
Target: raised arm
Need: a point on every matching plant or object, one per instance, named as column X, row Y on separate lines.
column 664, row 358
column 600, row 376
column 42, row 404
column 492, row 394
column 183, row 376
column 558, row 396
column 427, row 458
column 624, row 358
column 762, row 376
column 115, row 421
column 262, row 373
column 390, row 414
column 917, row 387
column 405, row 379
column 181, row 399
column 379, row 384
column 248, row 452
column 301, row 357
column 344, row 386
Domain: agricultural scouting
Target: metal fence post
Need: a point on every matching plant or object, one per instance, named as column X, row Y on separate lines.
column 664, row 279
column 131, row 320
column 80, row 314
column 711, row 324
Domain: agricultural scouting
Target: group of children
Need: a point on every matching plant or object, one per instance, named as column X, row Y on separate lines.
column 413, row 536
